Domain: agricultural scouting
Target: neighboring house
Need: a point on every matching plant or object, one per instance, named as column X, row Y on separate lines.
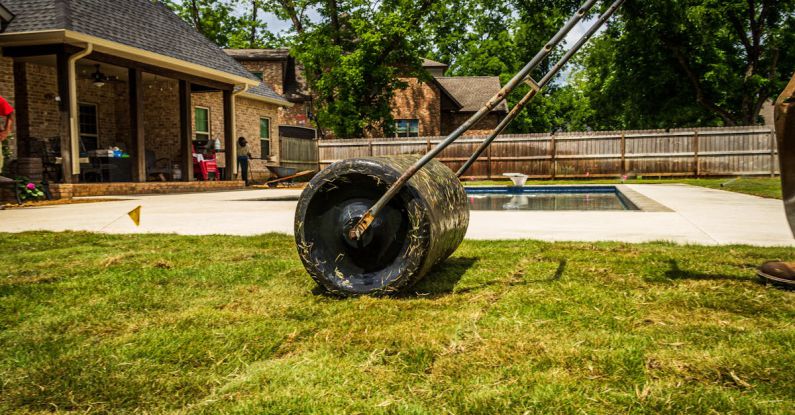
column 439, row 106
column 91, row 74
column 277, row 69
column 429, row 108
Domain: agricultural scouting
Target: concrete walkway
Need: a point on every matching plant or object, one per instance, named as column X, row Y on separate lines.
column 700, row 215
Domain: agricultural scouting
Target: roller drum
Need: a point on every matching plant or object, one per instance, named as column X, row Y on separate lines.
column 419, row 228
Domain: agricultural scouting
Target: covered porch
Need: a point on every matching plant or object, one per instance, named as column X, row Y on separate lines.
column 94, row 116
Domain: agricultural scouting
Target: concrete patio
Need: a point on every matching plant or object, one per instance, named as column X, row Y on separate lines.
column 699, row 216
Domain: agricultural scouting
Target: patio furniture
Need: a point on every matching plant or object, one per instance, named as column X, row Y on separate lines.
column 204, row 165
column 158, row 167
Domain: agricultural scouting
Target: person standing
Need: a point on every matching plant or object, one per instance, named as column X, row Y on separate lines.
column 7, row 112
column 243, row 156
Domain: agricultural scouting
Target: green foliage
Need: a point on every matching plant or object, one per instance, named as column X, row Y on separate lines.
column 353, row 58
column 28, row 190
column 219, row 21
column 682, row 63
column 660, row 64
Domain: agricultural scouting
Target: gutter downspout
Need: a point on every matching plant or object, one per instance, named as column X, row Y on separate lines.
column 72, row 78
column 233, row 150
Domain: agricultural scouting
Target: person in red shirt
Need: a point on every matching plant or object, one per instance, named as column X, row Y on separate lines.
column 7, row 112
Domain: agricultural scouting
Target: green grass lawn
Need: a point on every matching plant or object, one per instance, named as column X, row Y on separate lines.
column 769, row 187
column 220, row 324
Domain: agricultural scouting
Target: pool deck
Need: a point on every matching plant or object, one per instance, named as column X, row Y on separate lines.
column 698, row 216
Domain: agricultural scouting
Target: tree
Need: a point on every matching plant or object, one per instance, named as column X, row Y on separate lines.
column 218, row 21
column 672, row 63
column 354, row 56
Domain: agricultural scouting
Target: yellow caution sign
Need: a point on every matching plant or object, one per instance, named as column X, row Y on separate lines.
column 135, row 215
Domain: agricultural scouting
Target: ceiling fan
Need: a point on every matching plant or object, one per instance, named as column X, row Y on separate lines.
column 98, row 78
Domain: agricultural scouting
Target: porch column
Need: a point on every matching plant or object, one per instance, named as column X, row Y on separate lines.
column 185, row 130
column 230, row 147
column 62, row 69
column 137, row 139
column 22, row 124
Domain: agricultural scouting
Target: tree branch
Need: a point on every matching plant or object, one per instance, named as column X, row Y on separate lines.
column 700, row 97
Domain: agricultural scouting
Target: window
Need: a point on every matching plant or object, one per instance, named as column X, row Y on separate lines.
column 265, row 137
column 202, row 124
column 87, row 128
column 407, row 128
column 258, row 75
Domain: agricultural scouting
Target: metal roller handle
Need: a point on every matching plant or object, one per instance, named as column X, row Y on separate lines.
column 361, row 226
column 536, row 87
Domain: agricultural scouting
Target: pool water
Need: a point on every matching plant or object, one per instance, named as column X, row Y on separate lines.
column 555, row 198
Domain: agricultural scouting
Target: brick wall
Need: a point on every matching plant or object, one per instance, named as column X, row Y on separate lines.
column 272, row 73
column 273, row 76
column 215, row 102
column 451, row 121
column 161, row 118
column 43, row 113
column 419, row 100
column 247, row 114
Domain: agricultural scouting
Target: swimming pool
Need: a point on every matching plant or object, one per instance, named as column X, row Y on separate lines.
column 555, row 198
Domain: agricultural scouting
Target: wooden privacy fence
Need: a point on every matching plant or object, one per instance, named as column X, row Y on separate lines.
column 298, row 153
column 677, row 152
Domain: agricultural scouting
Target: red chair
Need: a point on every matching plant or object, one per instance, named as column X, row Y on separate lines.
column 208, row 164
column 211, row 166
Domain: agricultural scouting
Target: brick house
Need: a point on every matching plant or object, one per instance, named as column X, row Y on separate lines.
column 277, row 69
column 85, row 75
column 439, row 106
column 430, row 108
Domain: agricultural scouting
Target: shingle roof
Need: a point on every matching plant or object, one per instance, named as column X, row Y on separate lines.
column 472, row 92
column 142, row 24
column 265, row 91
column 427, row 63
column 258, row 54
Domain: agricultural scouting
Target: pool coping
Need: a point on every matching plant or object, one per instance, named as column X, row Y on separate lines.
column 641, row 201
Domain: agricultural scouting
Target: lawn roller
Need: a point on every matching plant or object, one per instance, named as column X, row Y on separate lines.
column 377, row 225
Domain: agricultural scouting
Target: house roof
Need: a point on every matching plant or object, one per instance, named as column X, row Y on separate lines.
column 264, row 91
column 259, row 54
column 142, row 24
column 472, row 92
column 427, row 63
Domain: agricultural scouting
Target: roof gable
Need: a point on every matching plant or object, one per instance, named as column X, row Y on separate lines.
column 142, row 24
column 472, row 92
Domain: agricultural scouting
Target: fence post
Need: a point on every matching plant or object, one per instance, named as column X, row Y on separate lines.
column 488, row 160
column 623, row 155
column 772, row 152
column 553, row 149
column 428, row 143
column 370, row 146
column 696, row 159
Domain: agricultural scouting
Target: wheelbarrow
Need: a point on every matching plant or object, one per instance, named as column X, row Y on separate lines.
column 377, row 225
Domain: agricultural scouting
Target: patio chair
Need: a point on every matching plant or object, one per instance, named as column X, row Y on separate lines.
column 211, row 166
column 158, row 167
column 203, row 165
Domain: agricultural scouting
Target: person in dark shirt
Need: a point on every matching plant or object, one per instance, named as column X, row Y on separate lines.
column 243, row 156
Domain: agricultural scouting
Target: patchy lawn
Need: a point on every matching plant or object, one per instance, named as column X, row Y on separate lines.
column 769, row 187
column 158, row 323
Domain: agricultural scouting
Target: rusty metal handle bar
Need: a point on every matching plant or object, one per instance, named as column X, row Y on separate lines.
column 357, row 230
column 536, row 87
